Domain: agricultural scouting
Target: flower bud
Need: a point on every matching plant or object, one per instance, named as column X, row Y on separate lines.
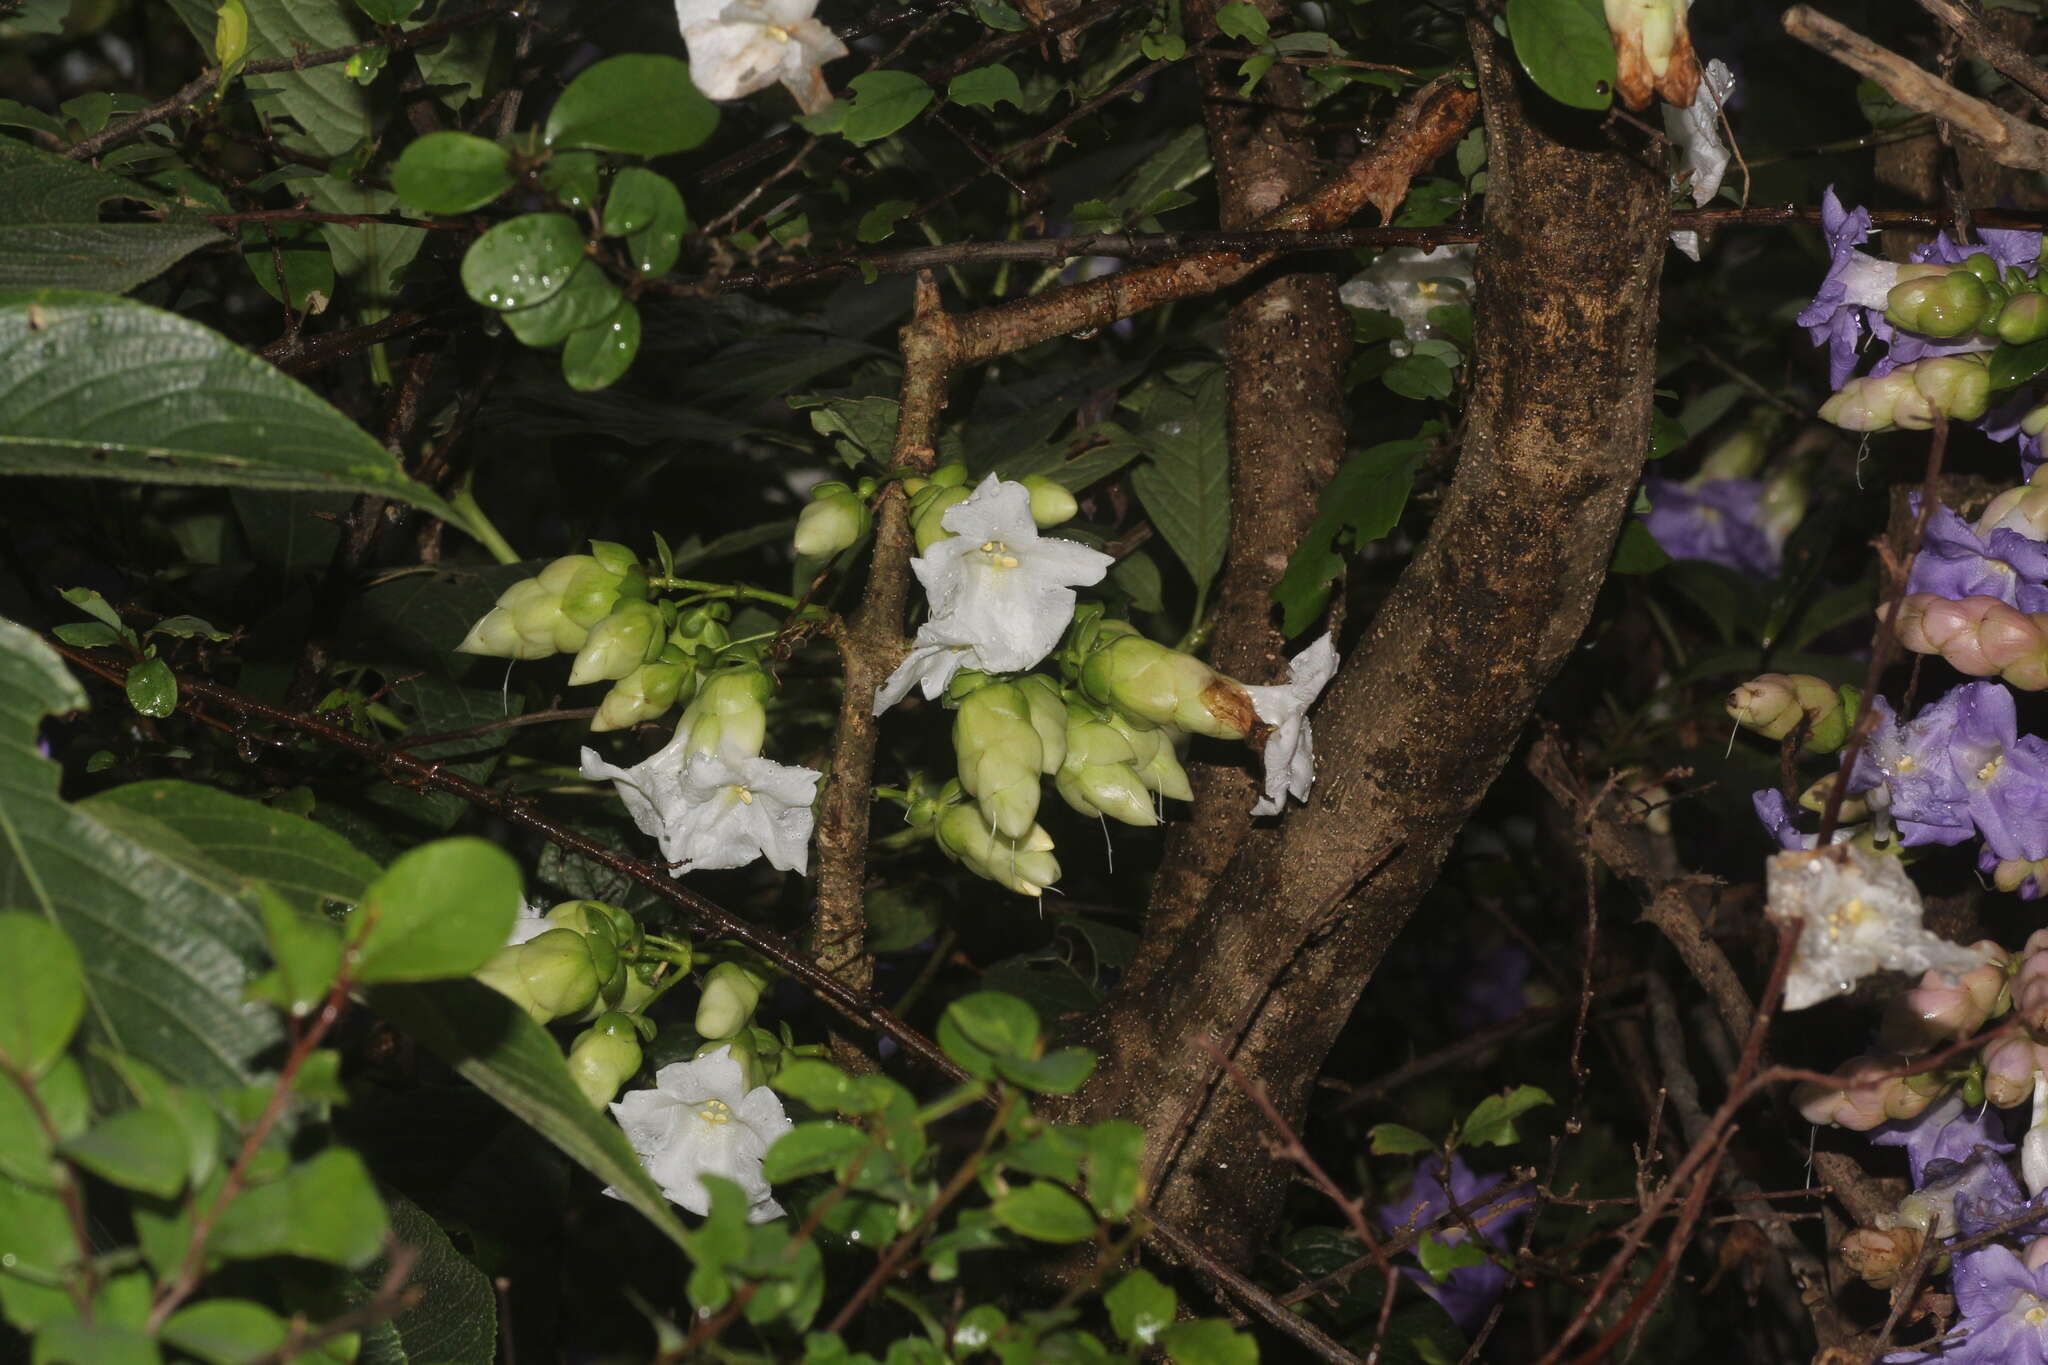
column 496, row 635
column 1051, row 503
column 1815, row 799
column 1026, row 866
column 2024, row 319
column 731, row 991
column 833, row 520
column 588, row 590
column 1155, row 753
column 1098, row 777
column 631, row 636
column 2030, row 983
column 1740, row 456
column 929, row 507
column 1950, row 304
column 523, row 624
column 1958, row 385
column 2009, row 1066
column 1000, row 756
column 1783, row 505
column 1856, row 1101
column 551, row 976
column 1048, row 717
column 1870, row 402
column 604, row 1057
column 1946, row 1008
column 1978, row 635
column 644, row 694
column 744, row 1050
column 729, row 717
column 1879, row 1255
column 1162, row 686
column 2019, row 876
column 1653, row 52
column 641, row 986
column 702, row 628
column 1776, row 704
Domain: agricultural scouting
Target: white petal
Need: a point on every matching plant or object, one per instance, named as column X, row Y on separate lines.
column 1687, row 242
column 930, row 665
column 731, row 60
column 1696, row 131
column 714, row 1076
column 761, row 1110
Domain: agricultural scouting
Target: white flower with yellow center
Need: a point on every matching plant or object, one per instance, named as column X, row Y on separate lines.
column 711, row 812
column 1860, row 914
column 740, row 46
column 1001, row 594
column 700, row 1119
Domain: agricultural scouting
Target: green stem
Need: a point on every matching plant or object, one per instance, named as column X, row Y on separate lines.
column 480, row 527
column 698, row 585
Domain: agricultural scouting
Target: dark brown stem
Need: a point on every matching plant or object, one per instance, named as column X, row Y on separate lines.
column 2005, row 56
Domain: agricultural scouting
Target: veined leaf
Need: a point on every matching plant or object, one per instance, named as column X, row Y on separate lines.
column 1185, row 482
column 51, row 235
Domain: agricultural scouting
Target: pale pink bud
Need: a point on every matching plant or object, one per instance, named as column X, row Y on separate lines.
column 2009, row 1070
column 2036, row 1254
column 1947, row 1008
column 1877, row 1255
column 1857, row 1100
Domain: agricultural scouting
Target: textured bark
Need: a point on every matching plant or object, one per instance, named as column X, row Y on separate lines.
column 1289, row 345
column 1430, row 704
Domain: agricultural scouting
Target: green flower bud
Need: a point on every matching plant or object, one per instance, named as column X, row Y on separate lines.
column 1051, row 503
column 631, row 636
column 1156, row 756
column 1783, row 505
column 833, row 520
column 743, row 1051
column 1097, row 777
column 1738, row 457
column 1026, row 866
column 1957, row 385
column 1878, row 403
column 1048, row 717
column 929, row 507
column 604, row 1057
column 608, row 922
column 614, row 557
column 949, row 475
column 588, row 589
column 644, row 694
column 1149, row 682
column 551, row 976
column 520, row 626
column 729, row 717
column 1980, row 264
column 730, row 993
column 2036, row 421
column 641, row 986
column 1815, row 799
column 702, row 628
column 1775, row 704
column 1951, row 304
column 1000, row 754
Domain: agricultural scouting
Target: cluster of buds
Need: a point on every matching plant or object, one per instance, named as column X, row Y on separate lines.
column 2023, row 509
column 1156, row 685
column 1949, row 1007
column 835, row 518
column 1775, row 705
column 1954, row 386
column 1981, row 636
column 648, row 691
column 1114, row 767
column 579, row 960
column 1006, row 736
column 607, row 1054
column 1971, row 299
column 947, row 487
column 553, row 612
column 1024, row 865
column 728, row 717
column 1867, row 1092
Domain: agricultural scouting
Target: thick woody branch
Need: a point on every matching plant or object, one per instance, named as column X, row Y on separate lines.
column 2005, row 57
column 2009, row 141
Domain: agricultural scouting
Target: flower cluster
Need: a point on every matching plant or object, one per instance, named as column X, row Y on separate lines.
column 740, row 46
column 1447, row 1205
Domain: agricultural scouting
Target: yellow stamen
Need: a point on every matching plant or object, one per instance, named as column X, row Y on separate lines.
column 715, row 1111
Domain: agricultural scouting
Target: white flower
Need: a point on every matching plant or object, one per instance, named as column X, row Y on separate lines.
column 1408, row 283
column 1290, row 750
column 1862, row 915
column 740, row 46
column 532, row 923
column 1001, row 594
column 1696, row 132
column 699, row 1120
column 712, row 812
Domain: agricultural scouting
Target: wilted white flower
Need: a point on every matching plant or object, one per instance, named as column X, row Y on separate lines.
column 740, row 46
column 1001, row 594
column 1696, row 132
column 710, row 812
column 1862, row 915
column 1408, row 283
column 1290, row 750
column 700, row 1119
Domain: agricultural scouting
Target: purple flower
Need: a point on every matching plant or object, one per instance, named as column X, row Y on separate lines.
column 1945, row 1132
column 1956, row 562
column 2009, row 247
column 1776, row 814
column 1720, row 520
column 1855, row 281
column 1921, row 792
column 2004, row 1313
column 2004, row 773
column 2002, row 423
column 1469, row 1292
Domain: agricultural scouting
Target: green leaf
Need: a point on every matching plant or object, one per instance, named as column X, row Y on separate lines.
column 103, row 387
column 152, row 688
column 572, row 178
column 51, row 235
column 491, row 1043
column 587, row 300
column 307, row 951
column 1439, row 1258
column 1044, row 1212
column 2012, row 366
column 388, row 11
column 1492, row 1121
column 524, row 261
column 597, row 356
column 1566, row 48
column 300, row 253
column 639, row 103
column 1060, row 1072
column 1667, row 434
column 78, row 1342
column 442, row 910
column 137, row 1149
column 1209, row 1341
column 812, row 1149
column 451, row 173
column 225, row 1331
column 1397, row 1139
column 1185, row 481
column 1637, row 551
column 325, row 1209
column 821, row 1085
column 1140, row 1308
column 640, row 198
column 25, row 1145
column 454, row 1318
column 42, row 993
column 883, row 102
column 1001, row 1025
column 1418, row 376
column 1116, row 1166
column 1242, row 19
column 1361, row 504
column 985, row 86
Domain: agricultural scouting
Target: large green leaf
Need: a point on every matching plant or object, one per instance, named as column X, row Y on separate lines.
column 52, row 236
column 101, row 386
column 166, row 954
column 1360, row 505
column 1185, row 484
column 454, row 1319
column 492, row 1043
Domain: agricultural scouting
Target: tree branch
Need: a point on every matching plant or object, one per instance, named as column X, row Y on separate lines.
column 2004, row 56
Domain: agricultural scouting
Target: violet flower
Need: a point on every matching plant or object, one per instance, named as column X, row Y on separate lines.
column 1719, row 520
column 1956, row 562
column 2004, row 773
column 1469, row 1292
column 1775, row 812
column 1855, row 281
column 1948, row 1131
column 1920, row 790
column 2004, row 1310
